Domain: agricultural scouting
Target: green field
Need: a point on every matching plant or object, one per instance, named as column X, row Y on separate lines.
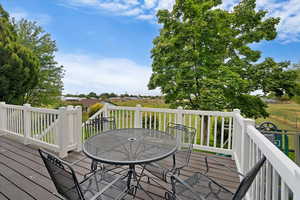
column 150, row 103
column 286, row 116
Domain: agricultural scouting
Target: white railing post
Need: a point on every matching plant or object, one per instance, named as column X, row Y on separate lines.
column 62, row 139
column 105, row 110
column 3, row 117
column 245, row 144
column 78, row 123
column 27, row 123
column 137, row 116
column 236, row 133
column 179, row 120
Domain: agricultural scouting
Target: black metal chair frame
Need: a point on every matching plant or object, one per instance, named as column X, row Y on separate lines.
column 238, row 195
column 67, row 167
column 175, row 169
column 100, row 123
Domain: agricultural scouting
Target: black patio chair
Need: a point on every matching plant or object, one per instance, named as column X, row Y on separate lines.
column 95, row 185
column 161, row 169
column 201, row 187
column 98, row 125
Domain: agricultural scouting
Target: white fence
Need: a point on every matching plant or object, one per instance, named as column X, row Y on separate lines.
column 220, row 132
column 214, row 129
column 279, row 178
column 57, row 130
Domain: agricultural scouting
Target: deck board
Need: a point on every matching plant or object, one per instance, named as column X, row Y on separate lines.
column 23, row 175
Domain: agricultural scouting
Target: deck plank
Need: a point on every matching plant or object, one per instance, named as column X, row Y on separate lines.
column 23, row 174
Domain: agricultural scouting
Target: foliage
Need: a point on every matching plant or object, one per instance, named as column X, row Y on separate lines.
column 50, row 85
column 19, row 67
column 202, row 58
column 94, row 108
column 92, row 95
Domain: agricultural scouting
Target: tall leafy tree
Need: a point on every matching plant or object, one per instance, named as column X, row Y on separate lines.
column 50, row 85
column 19, row 67
column 202, row 58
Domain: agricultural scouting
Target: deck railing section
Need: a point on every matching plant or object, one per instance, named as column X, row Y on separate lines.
column 279, row 179
column 220, row 132
column 53, row 129
column 214, row 129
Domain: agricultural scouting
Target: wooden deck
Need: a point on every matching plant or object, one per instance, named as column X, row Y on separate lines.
column 24, row 177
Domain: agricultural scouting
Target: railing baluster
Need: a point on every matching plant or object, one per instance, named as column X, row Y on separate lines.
column 202, row 128
column 222, row 133
column 229, row 133
column 208, row 130
column 215, row 131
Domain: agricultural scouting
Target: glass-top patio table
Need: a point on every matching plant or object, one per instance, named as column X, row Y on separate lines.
column 130, row 147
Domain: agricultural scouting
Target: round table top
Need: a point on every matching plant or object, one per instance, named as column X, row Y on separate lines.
column 130, row 146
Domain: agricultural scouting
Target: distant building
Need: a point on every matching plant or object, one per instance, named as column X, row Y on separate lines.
column 84, row 102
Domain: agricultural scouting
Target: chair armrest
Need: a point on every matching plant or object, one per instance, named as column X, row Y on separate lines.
column 220, row 164
column 176, row 180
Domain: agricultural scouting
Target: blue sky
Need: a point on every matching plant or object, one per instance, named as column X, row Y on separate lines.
column 105, row 44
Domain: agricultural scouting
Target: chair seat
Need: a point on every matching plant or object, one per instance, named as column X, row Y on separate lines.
column 163, row 169
column 159, row 169
column 203, row 186
column 99, row 181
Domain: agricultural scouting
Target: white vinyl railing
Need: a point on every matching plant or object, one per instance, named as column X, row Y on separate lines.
column 225, row 133
column 279, row 179
column 57, row 130
column 214, row 129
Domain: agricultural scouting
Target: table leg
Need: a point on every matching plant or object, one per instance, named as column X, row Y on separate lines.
column 131, row 171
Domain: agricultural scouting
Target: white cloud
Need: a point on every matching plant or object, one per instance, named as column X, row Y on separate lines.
column 86, row 73
column 287, row 10
column 41, row 19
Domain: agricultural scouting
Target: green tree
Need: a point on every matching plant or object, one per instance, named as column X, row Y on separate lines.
column 92, row 95
column 202, row 58
column 50, row 85
column 19, row 67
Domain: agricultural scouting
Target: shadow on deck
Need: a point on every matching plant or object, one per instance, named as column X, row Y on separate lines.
column 24, row 177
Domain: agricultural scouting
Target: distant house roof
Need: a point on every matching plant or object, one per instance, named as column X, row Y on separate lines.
column 89, row 102
column 71, row 98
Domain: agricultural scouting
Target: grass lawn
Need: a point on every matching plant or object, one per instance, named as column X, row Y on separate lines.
column 150, row 103
column 286, row 116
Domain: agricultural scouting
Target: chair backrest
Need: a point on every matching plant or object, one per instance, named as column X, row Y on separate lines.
column 108, row 123
column 187, row 135
column 100, row 124
column 248, row 179
column 63, row 176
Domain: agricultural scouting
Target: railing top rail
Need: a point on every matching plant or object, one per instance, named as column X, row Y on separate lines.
column 13, row 106
column 34, row 109
column 197, row 112
column 287, row 169
column 44, row 110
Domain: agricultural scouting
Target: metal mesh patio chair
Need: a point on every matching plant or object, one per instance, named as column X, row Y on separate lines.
column 95, row 185
column 201, row 187
column 100, row 124
column 96, row 126
column 180, row 159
